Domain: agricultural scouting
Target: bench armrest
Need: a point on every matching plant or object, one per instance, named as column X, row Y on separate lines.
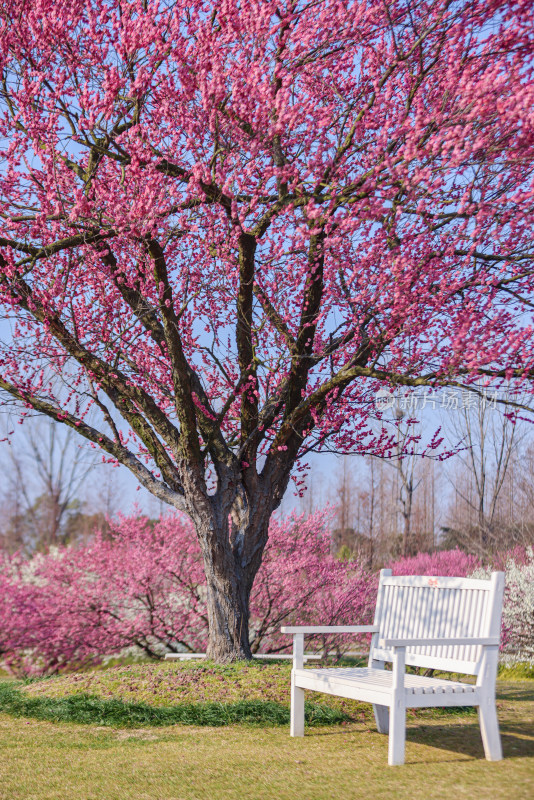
column 309, row 629
column 486, row 641
column 399, row 652
column 298, row 632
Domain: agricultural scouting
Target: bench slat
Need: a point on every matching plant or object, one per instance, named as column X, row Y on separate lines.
column 439, row 642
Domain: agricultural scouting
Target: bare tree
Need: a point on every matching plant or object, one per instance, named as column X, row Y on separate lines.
column 485, row 478
column 408, row 483
column 518, row 497
column 371, row 514
column 47, row 474
column 410, row 469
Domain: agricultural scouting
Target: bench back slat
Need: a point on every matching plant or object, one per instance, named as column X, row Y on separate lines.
column 424, row 606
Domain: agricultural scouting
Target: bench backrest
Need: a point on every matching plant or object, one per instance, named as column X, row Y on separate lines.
column 422, row 606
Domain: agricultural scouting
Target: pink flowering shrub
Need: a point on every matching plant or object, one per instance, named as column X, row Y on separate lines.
column 448, row 563
column 75, row 605
column 144, row 586
column 518, row 554
column 301, row 583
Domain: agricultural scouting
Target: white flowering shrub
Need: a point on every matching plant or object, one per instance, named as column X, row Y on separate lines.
column 518, row 609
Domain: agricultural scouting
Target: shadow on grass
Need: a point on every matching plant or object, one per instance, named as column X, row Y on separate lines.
column 87, row 709
column 459, row 740
column 517, row 692
column 466, row 740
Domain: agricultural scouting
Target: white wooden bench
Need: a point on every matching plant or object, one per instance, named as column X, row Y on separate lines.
column 448, row 624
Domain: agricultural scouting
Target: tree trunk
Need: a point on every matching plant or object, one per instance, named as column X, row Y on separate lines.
column 227, row 601
column 232, row 529
column 232, row 539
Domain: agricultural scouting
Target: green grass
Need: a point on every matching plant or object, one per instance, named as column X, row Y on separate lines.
column 516, row 672
column 42, row 760
column 199, row 693
column 89, row 709
column 187, row 693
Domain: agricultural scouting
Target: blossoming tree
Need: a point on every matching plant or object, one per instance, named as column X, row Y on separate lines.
column 226, row 223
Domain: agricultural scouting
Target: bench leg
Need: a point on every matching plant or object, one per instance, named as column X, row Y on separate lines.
column 382, row 718
column 489, row 728
column 297, row 710
column 397, row 733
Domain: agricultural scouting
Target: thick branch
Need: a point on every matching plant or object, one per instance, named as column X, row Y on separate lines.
column 185, row 407
column 245, row 346
column 148, row 317
column 313, row 293
column 169, row 494
column 126, row 397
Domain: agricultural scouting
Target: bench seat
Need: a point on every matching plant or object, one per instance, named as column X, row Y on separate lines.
column 376, row 685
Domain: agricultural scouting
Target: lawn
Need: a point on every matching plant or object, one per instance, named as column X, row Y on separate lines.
column 127, row 750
